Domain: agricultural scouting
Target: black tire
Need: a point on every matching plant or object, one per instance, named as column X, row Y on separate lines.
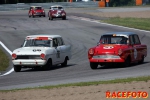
column 64, row 63
column 48, row 64
column 44, row 16
column 142, row 60
column 63, row 18
column 50, row 18
column 127, row 62
column 33, row 16
column 17, row 68
column 93, row 65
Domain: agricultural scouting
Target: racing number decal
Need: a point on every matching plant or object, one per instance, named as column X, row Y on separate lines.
column 135, row 53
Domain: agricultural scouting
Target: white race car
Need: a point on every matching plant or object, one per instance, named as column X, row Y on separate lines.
column 41, row 51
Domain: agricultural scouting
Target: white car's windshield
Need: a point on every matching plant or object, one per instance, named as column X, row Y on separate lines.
column 37, row 43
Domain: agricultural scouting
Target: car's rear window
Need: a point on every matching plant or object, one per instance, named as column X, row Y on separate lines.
column 38, row 8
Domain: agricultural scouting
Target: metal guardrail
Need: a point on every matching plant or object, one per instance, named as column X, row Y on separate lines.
column 25, row 6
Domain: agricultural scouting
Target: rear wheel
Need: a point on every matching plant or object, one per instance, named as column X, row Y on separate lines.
column 142, row 60
column 64, row 63
column 33, row 16
column 48, row 64
column 93, row 65
column 63, row 18
column 17, row 68
column 127, row 62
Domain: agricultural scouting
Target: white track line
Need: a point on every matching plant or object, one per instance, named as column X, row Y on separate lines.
column 96, row 21
column 11, row 70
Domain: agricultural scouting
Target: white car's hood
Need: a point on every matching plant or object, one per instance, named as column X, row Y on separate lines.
column 31, row 50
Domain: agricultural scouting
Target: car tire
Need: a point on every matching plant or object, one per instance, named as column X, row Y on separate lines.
column 64, row 63
column 33, row 16
column 127, row 62
column 17, row 68
column 142, row 60
column 50, row 18
column 48, row 64
column 63, row 18
column 93, row 65
column 44, row 16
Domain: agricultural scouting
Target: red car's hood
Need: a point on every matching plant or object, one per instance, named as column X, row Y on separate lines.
column 108, row 49
column 39, row 10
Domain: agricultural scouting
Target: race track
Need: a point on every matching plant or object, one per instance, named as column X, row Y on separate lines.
column 80, row 34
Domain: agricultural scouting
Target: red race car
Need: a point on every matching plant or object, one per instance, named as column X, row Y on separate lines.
column 56, row 11
column 115, row 48
column 36, row 11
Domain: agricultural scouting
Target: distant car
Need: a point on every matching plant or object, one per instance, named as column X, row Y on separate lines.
column 41, row 51
column 36, row 11
column 56, row 11
column 115, row 48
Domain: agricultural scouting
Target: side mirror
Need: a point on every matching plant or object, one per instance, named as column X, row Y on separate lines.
column 98, row 43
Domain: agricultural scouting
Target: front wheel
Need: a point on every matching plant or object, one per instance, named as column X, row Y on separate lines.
column 93, row 65
column 127, row 62
column 17, row 68
column 50, row 18
column 63, row 18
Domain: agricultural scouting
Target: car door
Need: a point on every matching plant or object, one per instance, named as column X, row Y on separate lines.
column 137, row 47
column 62, row 49
column 132, row 48
column 57, row 50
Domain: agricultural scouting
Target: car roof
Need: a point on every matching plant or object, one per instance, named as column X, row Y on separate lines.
column 51, row 36
column 56, row 6
column 120, row 33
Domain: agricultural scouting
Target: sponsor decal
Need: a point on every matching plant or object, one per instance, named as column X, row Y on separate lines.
column 127, row 94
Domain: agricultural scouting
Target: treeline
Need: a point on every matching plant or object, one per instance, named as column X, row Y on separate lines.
column 29, row 1
column 115, row 3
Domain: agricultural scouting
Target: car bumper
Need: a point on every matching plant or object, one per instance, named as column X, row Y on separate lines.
column 58, row 16
column 39, row 14
column 29, row 62
column 107, row 60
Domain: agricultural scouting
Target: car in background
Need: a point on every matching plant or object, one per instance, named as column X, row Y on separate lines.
column 117, row 47
column 36, row 11
column 56, row 11
column 41, row 51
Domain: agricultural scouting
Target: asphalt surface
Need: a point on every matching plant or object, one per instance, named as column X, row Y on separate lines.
column 81, row 35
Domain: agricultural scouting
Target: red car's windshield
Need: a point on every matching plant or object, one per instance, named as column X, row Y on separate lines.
column 109, row 39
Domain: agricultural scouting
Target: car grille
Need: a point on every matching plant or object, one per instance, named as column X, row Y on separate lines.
column 28, row 57
column 106, row 57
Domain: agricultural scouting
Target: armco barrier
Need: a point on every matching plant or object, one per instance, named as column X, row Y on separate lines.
column 25, row 6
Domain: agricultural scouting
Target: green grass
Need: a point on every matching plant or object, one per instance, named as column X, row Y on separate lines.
column 139, row 23
column 4, row 61
column 126, row 80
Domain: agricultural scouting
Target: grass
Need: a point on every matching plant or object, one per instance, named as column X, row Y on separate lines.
column 126, row 80
column 4, row 61
column 139, row 23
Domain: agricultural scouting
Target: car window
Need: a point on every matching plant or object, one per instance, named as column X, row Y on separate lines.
column 38, row 8
column 131, row 39
column 136, row 39
column 60, row 41
column 37, row 43
column 110, row 39
column 57, row 8
column 55, row 42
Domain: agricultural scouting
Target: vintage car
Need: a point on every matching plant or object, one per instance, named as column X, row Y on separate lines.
column 41, row 51
column 56, row 11
column 121, row 48
column 36, row 11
